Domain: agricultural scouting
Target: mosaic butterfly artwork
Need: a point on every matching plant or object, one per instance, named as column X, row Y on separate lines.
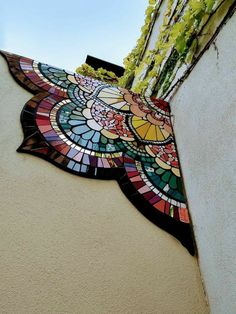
column 97, row 130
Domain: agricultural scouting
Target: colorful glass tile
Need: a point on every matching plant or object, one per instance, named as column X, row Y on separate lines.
column 100, row 131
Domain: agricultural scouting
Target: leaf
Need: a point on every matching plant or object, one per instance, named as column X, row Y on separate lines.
column 152, row 2
column 192, row 51
column 178, row 28
column 188, row 19
column 197, row 6
column 209, row 5
column 158, row 59
column 180, row 44
column 149, row 11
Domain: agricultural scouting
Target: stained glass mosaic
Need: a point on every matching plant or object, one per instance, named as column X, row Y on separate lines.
column 96, row 130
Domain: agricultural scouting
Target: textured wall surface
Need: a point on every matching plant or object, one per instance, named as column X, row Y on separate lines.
column 75, row 245
column 204, row 110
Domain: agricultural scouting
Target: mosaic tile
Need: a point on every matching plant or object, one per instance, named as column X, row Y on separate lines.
column 93, row 129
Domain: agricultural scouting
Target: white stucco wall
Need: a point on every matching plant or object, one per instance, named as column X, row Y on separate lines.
column 204, row 110
column 75, row 245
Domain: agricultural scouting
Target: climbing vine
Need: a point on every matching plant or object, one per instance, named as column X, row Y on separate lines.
column 183, row 22
column 132, row 60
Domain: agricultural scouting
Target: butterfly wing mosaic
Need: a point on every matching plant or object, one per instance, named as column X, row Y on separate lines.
column 97, row 130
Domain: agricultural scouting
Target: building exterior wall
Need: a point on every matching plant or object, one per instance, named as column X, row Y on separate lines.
column 204, row 114
column 75, row 245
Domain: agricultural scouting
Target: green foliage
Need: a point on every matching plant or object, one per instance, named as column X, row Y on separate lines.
column 99, row 74
column 176, row 43
column 132, row 60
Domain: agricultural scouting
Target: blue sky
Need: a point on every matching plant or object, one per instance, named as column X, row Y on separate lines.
column 62, row 33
